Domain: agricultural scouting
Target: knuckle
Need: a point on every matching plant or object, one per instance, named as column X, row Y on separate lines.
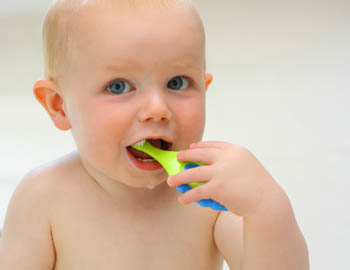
column 188, row 174
column 197, row 172
column 237, row 147
column 238, row 151
column 198, row 192
column 217, row 187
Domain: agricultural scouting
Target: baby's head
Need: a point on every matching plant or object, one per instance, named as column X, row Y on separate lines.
column 118, row 71
column 63, row 27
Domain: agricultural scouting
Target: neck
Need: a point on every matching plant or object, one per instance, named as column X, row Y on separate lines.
column 120, row 193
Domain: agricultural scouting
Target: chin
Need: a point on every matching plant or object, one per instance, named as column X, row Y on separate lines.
column 146, row 183
column 152, row 185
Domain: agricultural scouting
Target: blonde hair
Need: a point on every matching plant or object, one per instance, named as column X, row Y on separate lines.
column 58, row 33
column 58, row 37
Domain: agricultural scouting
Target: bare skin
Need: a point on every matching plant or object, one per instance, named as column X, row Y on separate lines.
column 91, row 229
column 94, row 209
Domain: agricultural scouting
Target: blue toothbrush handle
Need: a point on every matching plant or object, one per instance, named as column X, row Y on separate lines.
column 205, row 202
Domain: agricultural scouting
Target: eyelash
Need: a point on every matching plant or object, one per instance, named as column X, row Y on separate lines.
column 191, row 82
column 114, row 81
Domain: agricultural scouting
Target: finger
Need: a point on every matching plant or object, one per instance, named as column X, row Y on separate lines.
column 206, row 156
column 198, row 174
column 195, row 194
column 210, row 144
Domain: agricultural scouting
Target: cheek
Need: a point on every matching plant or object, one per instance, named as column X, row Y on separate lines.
column 192, row 119
column 98, row 128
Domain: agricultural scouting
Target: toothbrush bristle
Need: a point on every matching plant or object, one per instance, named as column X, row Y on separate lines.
column 141, row 143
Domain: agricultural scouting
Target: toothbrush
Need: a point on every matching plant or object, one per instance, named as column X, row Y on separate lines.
column 169, row 161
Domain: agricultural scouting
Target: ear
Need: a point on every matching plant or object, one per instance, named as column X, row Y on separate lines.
column 208, row 79
column 46, row 93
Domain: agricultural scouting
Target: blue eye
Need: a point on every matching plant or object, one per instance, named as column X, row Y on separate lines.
column 119, row 87
column 178, row 83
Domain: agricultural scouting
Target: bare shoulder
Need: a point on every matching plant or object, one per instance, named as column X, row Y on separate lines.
column 26, row 240
column 48, row 179
column 51, row 172
column 39, row 185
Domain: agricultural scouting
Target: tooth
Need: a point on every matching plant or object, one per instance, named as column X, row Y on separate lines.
column 141, row 143
column 146, row 160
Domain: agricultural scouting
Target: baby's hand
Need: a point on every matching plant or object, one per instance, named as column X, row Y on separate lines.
column 235, row 178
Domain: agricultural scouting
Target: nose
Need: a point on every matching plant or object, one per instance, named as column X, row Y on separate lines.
column 155, row 107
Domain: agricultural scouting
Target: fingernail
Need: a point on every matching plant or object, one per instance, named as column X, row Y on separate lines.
column 170, row 180
column 181, row 200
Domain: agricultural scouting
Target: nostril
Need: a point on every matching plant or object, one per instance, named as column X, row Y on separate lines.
column 156, row 110
column 164, row 120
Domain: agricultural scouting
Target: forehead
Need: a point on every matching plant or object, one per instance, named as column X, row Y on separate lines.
column 105, row 32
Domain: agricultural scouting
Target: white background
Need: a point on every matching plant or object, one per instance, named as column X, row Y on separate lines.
column 281, row 88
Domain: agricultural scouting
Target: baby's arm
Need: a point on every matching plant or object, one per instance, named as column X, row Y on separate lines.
column 267, row 240
column 267, row 235
column 26, row 242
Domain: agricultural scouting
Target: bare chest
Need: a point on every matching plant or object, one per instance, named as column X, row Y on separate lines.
column 179, row 239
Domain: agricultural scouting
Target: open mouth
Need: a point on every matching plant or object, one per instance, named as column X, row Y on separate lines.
column 143, row 157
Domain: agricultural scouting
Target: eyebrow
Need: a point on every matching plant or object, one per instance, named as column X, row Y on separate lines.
column 184, row 65
column 118, row 67
column 180, row 65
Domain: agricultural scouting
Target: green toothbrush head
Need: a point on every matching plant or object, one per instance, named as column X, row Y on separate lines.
column 169, row 161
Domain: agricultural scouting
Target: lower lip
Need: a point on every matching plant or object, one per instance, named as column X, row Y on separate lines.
column 146, row 166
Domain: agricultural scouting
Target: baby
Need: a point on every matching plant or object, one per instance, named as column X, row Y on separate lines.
column 118, row 72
